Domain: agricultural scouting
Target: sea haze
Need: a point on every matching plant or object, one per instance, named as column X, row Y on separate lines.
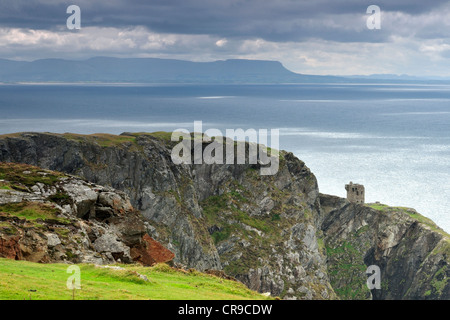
column 393, row 138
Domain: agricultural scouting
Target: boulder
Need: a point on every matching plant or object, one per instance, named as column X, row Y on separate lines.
column 115, row 200
column 52, row 240
column 109, row 243
column 151, row 252
column 83, row 197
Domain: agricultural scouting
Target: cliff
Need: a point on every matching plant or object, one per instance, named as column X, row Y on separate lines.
column 413, row 254
column 274, row 233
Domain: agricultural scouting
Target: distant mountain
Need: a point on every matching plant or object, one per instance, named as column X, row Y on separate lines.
column 154, row 70
column 400, row 77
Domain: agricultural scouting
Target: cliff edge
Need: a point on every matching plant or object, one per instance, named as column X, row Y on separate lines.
column 274, row 233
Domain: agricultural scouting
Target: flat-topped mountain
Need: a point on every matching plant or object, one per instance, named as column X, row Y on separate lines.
column 151, row 70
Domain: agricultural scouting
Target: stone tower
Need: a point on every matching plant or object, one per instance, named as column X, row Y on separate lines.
column 355, row 193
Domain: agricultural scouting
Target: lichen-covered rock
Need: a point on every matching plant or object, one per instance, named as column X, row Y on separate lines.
column 63, row 218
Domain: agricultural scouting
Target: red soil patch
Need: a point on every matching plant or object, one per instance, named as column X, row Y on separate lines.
column 150, row 252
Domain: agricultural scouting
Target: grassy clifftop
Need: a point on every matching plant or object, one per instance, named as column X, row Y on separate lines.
column 21, row 280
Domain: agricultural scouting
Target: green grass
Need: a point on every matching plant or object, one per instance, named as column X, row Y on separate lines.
column 102, row 139
column 30, row 210
column 17, row 278
column 162, row 135
column 412, row 213
column 19, row 175
column 377, row 206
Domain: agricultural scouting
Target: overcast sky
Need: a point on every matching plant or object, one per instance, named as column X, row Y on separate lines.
column 307, row 36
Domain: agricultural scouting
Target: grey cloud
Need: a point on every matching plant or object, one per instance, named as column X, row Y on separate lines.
column 275, row 20
column 309, row 36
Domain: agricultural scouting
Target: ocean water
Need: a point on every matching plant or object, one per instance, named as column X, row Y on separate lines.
column 394, row 139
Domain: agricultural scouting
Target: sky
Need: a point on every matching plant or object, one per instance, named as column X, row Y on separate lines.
column 326, row 37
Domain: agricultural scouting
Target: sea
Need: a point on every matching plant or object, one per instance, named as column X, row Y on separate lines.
column 392, row 138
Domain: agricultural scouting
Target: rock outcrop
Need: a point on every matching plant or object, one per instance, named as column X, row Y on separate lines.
column 274, row 233
column 47, row 216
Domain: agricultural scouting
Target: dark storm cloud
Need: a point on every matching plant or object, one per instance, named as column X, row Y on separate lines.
column 273, row 20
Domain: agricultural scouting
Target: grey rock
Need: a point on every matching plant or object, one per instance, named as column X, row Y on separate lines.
column 52, row 240
column 83, row 197
column 13, row 196
column 109, row 243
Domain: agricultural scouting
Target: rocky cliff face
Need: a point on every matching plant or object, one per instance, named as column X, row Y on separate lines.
column 412, row 253
column 274, row 233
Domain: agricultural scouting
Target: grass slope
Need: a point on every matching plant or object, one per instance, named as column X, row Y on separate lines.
column 21, row 280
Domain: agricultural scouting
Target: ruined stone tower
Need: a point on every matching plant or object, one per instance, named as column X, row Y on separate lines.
column 355, row 193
